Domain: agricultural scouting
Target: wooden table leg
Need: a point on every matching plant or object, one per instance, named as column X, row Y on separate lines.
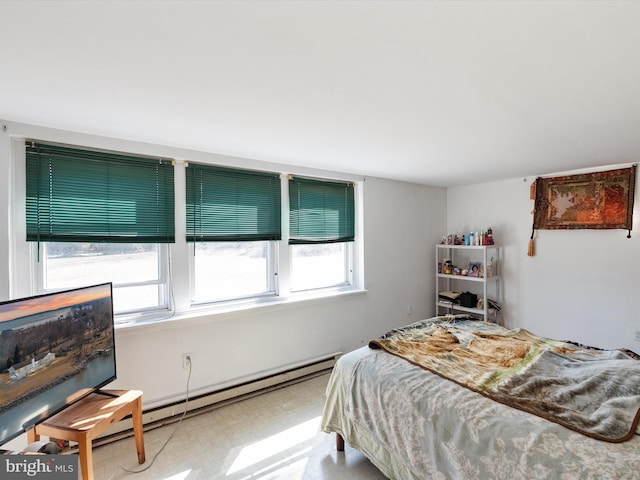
column 32, row 436
column 86, row 456
column 138, row 432
column 339, row 442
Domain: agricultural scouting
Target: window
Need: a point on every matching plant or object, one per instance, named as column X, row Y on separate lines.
column 97, row 216
column 232, row 270
column 320, row 266
column 138, row 271
column 321, row 232
column 233, row 223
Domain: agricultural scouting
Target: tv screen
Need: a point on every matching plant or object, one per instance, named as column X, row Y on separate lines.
column 54, row 349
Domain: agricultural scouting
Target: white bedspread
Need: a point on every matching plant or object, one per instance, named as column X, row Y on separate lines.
column 413, row 424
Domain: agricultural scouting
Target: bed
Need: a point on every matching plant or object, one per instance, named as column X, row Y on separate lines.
column 415, row 422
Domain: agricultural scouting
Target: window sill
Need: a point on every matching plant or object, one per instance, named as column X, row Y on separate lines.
column 206, row 313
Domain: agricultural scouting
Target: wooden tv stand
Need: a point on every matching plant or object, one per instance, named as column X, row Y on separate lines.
column 90, row 416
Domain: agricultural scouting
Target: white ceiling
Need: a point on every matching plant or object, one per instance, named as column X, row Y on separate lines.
column 436, row 92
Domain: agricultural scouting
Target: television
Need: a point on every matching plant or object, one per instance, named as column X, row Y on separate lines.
column 55, row 348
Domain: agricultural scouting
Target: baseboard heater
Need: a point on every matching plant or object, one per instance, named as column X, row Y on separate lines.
column 173, row 412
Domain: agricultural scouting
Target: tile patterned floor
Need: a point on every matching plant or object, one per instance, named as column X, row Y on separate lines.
column 270, row 436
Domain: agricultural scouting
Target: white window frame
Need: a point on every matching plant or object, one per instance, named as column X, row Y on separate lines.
column 271, row 275
column 38, row 269
column 347, row 273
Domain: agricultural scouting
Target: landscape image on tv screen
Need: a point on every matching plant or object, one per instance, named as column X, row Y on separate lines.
column 54, row 348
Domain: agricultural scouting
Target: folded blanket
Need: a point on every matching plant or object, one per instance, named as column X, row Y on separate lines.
column 594, row 392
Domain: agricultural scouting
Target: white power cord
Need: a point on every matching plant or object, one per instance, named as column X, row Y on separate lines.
column 184, row 413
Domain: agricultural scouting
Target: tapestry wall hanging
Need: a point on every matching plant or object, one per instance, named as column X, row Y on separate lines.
column 599, row 200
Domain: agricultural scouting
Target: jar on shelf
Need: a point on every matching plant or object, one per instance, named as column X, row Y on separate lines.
column 447, row 267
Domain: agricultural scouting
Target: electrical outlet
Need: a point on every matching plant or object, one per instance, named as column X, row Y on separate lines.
column 186, row 360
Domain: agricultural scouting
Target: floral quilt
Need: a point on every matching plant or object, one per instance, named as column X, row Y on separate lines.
column 592, row 391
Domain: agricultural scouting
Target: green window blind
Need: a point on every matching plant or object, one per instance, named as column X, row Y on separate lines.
column 320, row 211
column 225, row 204
column 76, row 195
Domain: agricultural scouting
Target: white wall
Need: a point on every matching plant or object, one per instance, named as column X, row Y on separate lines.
column 5, row 202
column 401, row 223
column 581, row 285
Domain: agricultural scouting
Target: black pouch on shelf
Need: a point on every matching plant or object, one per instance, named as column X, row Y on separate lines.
column 469, row 300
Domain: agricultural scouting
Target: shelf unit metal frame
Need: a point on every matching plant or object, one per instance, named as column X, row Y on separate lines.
column 482, row 253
